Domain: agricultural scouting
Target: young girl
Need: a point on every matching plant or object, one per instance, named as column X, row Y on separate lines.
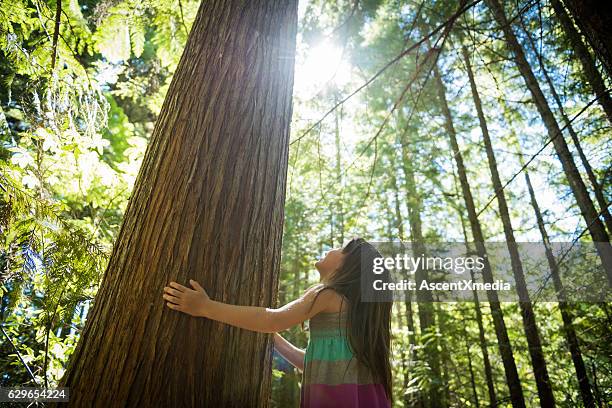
column 346, row 362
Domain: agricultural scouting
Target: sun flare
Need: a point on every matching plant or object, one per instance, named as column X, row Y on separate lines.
column 323, row 65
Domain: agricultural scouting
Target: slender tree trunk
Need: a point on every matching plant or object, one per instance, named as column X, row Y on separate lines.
column 598, row 393
column 594, row 19
column 297, row 287
column 588, row 64
column 207, row 205
column 339, row 178
column 409, row 401
column 468, row 352
column 601, row 199
column 538, row 361
column 482, row 340
column 591, row 217
column 568, row 327
column 424, row 298
column 505, row 348
column 566, row 315
column 445, row 356
column 399, row 219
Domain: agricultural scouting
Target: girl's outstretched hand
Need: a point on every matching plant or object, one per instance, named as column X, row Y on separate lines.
column 194, row 301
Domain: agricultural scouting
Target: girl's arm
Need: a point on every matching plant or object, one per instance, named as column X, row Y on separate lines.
column 292, row 354
column 196, row 302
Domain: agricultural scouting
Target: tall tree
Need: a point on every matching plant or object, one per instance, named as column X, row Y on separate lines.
column 339, row 209
column 564, row 308
column 591, row 217
column 482, row 340
column 595, row 19
column 568, row 327
column 470, row 365
column 426, row 312
column 207, row 205
column 409, row 356
column 538, row 361
column 597, row 189
column 503, row 341
column 584, row 56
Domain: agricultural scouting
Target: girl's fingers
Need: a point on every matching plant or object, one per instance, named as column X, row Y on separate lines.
column 196, row 284
column 172, row 291
column 171, row 298
column 178, row 286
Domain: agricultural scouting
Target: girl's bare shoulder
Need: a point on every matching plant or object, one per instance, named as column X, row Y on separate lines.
column 328, row 300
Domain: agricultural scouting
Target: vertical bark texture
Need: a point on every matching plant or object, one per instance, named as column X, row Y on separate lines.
column 207, row 205
column 538, row 361
column 594, row 17
column 594, row 224
column 503, row 341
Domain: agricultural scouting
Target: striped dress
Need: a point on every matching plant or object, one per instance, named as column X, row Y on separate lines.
column 332, row 376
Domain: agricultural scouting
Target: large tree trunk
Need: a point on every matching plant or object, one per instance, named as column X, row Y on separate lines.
column 538, row 361
column 503, row 341
column 594, row 17
column 588, row 64
column 207, row 205
column 591, row 217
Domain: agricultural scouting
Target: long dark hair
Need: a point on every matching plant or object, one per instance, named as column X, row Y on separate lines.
column 368, row 324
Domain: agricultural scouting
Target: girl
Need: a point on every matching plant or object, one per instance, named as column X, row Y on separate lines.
column 346, row 362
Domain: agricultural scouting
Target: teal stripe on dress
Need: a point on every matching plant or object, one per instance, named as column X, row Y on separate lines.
column 328, row 349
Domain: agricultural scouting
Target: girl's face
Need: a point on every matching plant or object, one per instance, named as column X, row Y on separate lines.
column 330, row 262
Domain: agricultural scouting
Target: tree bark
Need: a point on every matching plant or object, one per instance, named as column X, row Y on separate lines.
column 503, row 341
column 538, row 361
column 207, row 205
column 594, row 224
column 594, row 19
